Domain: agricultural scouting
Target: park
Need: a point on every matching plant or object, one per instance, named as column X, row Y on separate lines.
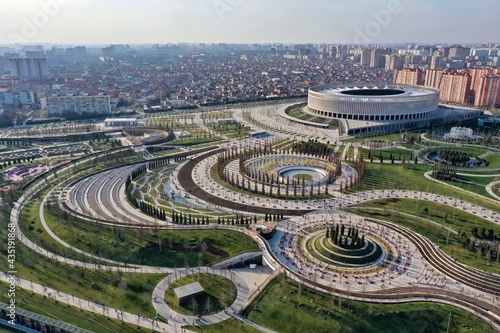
column 209, row 229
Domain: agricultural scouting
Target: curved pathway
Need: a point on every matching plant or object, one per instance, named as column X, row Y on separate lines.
column 489, row 189
column 243, row 293
column 478, row 304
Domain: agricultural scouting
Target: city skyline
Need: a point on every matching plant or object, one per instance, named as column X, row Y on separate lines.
column 243, row 21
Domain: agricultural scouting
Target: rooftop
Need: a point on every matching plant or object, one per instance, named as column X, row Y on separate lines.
column 188, row 290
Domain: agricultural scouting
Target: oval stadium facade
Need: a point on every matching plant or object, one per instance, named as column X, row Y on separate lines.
column 373, row 103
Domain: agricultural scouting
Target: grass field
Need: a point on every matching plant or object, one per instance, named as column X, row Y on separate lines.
column 173, row 248
column 473, row 184
column 236, row 131
column 59, row 311
column 284, row 307
column 380, row 176
column 130, row 292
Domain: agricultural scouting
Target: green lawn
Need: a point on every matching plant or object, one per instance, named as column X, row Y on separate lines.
column 398, row 154
column 380, row 176
column 52, row 309
column 127, row 291
column 172, row 248
column 390, row 137
column 473, row 184
column 284, row 307
column 231, row 130
column 451, row 217
column 219, row 293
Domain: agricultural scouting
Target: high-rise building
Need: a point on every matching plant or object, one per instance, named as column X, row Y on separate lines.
column 80, row 52
column 488, row 91
column 413, row 77
column 332, row 51
column 64, row 105
column 433, row 78
column 394, row 62
column 342, row 51
column 377, row 57
column 29, row 69
column 445, row 51
column 437, row 62
column 365, row 57
column 476, row 75
column 455, row 88
column 459, row 52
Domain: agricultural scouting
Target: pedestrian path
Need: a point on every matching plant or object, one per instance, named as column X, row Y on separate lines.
column 245, row 281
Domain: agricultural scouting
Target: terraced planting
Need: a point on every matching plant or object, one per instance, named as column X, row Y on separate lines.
column 342, row 253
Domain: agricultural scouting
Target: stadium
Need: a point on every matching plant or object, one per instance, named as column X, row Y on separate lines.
column 370, row 103
column 373, row 109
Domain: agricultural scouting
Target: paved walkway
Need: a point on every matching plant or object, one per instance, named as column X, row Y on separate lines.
column 407, row 266
column 96, row 308
column 489, row 189
column 243, row 279
column 240, row 279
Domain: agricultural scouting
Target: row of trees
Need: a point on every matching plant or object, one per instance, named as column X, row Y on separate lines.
column 137, row 172
column 484, row 234
column 392, row 157
column 159, row 163
column 311, row 147
column 295, row 186
column 15, row 142
column 274, row 217
column 255, row 180
column 151, row 210
column 360, row 166
column 238, row 220
column 455, row 157
column 444, row 171
column 350, row 241
column 487, row 249
column 183, row 218
column 17, row 161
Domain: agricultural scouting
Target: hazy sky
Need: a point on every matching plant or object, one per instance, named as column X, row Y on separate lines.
column 254, row 21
